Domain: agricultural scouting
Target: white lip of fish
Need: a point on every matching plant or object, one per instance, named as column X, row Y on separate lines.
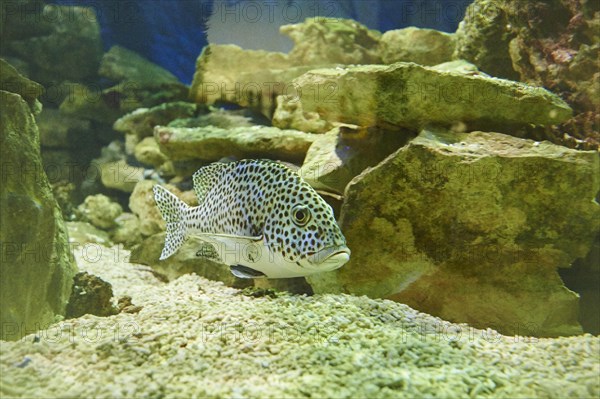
column 253, row 253
column 330, row 258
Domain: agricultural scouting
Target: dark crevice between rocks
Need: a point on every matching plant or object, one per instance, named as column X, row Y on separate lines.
column 583, row 277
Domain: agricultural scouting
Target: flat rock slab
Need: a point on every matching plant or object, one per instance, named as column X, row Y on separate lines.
column 211, row 143
column 472, row 228
column 414, row 96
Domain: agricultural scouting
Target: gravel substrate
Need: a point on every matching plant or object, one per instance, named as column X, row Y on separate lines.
column 198, row 338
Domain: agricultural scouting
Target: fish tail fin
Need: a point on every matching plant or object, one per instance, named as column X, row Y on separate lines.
column 173, row 210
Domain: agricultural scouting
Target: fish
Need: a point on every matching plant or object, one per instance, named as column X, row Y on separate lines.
column 261, row 217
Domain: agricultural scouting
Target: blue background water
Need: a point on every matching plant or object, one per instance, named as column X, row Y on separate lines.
column 172, row 33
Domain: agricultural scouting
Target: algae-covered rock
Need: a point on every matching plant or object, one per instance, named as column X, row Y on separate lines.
column 90, row 103
column 141, row 202
column 322, row 40
column 121, row 176
column 421, row 46
column 12, row 81
column 21, row 20
column 290, row 115
column 549, row 43
column 37, row 267
column 483, row 38
column 223, row 118
column 139, row 83
column 70, row 48
column 211, row 144
column 412, row 96
column 148, row 152
column 141, row 122
column 245, row 77
column 194, row 256
column 100, row 211
column 127, row 231
column 472, row 228
column 90, row 295
column 219, row 66
column 82, row 233
column 63, row 131
column 120, row 64
column 344, row 152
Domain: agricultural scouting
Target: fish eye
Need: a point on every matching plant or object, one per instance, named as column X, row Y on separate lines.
column 300, row 215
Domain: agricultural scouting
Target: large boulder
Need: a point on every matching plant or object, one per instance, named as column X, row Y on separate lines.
column 37, row 268
column 472, row 228
column 413, row 96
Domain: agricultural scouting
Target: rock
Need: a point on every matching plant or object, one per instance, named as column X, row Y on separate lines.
column 482, row 39
column 321, row 40
column 421, row 46
column 90, row 295
column 140, row 84
column 141, row 122
column 453, row 218
column 244, row 77
column 12, row 81
column 186, row 260
column 412, row 96
column 260, row 89
column 70, row 49
column 121, row 176
column 90, row 103
column 458, row 66
column 37, row 268
column 63, row 131
column 344, row 152
column 148, row 152
column 20, row 65
column 554, row 44
column 142, row 204
column 122, row 65
column 82, row 233
column 127, row 231
column 223, row 118
column 290, row 115
column 211, row 143
column 100, row 211
column 22, row 20
column 63, row 193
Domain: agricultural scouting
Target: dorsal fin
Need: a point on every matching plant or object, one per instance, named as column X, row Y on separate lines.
column 205, row 178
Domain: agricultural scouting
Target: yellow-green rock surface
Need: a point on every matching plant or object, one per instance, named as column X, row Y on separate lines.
column 36, row 266
column 472, row 228
column 413, row 96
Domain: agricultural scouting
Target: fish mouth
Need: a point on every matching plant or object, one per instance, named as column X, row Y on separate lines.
column 331, row 257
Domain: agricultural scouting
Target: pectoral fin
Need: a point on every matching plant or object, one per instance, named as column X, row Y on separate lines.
column 245, row 272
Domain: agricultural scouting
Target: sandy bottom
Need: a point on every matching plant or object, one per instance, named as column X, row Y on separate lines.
column 198, row 338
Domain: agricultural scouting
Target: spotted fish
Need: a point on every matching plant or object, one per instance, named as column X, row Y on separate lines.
column 261, row 217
